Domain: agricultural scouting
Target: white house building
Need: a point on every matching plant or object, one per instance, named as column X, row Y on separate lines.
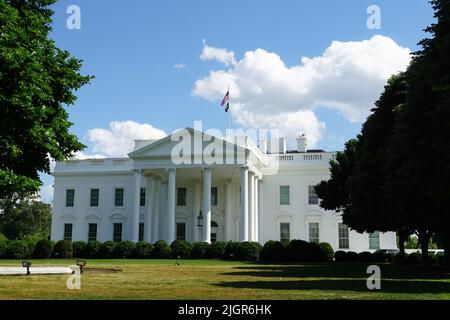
column 195, row 187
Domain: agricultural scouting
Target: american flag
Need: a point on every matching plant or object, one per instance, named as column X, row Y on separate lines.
column 226, row 101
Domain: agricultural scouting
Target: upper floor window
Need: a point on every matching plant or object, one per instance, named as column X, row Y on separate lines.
column 285, row 232
column 285, row 197
column 94, row 197
column 312, row 195
column 314, row 232
column 142, row 197
column 68, row 231
column 118, row 197
column 214, row 196
column 70, row 197
column 374, row 240
column 343, row 234
column 181, row 196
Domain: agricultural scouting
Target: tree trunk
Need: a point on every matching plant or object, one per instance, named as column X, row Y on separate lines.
column 424, row 240
column 402, row 234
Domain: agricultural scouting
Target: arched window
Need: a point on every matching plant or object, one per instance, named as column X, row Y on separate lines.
column 214, row 224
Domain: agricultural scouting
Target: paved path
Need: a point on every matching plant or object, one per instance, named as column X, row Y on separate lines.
column 34, row 270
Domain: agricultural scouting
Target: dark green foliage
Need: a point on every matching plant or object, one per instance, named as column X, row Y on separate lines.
column 217, row 250
column 340, row 256
column 63, row 249
column 433, row 259
column 351, row 256
column 414, row 258
column 79, row 249
column 390, row 257
column 161, row 250
column 43, row 249
column 327, row 252
column 3, row 246
column 106, row 250
column 302, row 251
column 273, row 251
column 440, row 257
column 398, row 258
column 18, row 249
column 123, row 250
column 379, row 257
column 142, row 250
column 180, row 249
column 200, row 250
column 243, row 251
column 92, row 249
column 365, row 257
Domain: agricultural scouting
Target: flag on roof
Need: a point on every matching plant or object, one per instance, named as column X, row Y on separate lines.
column 226, row 101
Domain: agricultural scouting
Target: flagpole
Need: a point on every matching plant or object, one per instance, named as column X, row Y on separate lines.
column 229, row 109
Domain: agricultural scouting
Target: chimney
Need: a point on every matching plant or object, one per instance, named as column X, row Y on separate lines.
column 302, row 142
column 277, row 145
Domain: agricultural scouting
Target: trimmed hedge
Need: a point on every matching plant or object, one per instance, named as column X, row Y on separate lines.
column 142, row 250
column 17, row 249
column 200, row 250
column 216, row 250
column 63, row 249
column 43, row 249
column 180, row 249
column 414, row 258
column 351, row 256
column 273, row 251
column 106, row 250
column 340, row 256
column 302, row 251
column 365, row 257
column 161, row 250
column 92, row 248
column 327, row 252
column 244, row 251
column 123, row 250
column 79, row 249
column 3, row 246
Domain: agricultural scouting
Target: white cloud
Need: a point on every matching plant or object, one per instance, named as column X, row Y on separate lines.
column 118, row 140
column 180, row 66
column 347, row 77
column 46, row 193
column 219, row 54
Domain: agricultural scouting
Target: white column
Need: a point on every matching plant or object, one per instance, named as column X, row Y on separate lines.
column 162, row 224
column 196, row 209
column 171, row 206
column 260, row 211
column 228, row 222
column 155, row 209
column 256, row 211
column 148, row 212
column 251, row 206
column 206, row 205
column 243, row 226
column 136, row 206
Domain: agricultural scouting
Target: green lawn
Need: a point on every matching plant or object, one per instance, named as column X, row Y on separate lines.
column 214, row 279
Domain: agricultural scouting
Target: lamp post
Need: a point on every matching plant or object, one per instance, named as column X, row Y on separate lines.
column 81, row 264
column 26, row 264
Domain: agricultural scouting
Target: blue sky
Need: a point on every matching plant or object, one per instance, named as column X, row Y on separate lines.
column 131, row 47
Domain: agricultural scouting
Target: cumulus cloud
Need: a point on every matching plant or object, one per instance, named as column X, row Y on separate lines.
column 118, row 140
column 348, row 77
column 219, row 54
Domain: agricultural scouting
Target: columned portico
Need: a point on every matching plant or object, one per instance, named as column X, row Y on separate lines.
column 149, row 209
column 228, row 218
column 196, row 209
column 243, row 225
column 251, row 205
column 171, row 205
column 207, row 205
column 155, row 209
column 136, row 206
column 256, row 210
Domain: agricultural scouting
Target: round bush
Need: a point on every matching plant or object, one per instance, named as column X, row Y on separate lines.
column 327, row 252
column 200, row 250
column 365, row 257
column 302, row 251
column 161, row 250
column 123, row 249
column 230, row 250
column 17, row 249
column 340, row 256
column 398, row 258
column 351, row 256
column 92, row 248
column 244, row 251
column 273, row 251
column 43, row 249
column 180, row 249
column 217, row 250
column 379, row 257
column 390, row 257
column 433, row 259
column 440, row 257
column 79, row 248
column 106, row 249
column 142, row 250
column 414, row 258
column 3, row 246
column 63, row 249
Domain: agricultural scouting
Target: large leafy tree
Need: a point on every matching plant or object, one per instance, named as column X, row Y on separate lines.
column 37, row 83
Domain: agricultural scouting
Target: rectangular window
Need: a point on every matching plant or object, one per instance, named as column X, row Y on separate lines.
column 142, row 197
column 141, row 232
column 118, row 197
column 343, row 233
column 70, row 197
column 312, row 195
column 374, row 240
column 314, row 232
column 285, row 197
column 92, row 232
column 181, row 197
column 117, row 232
column 94, row 197
column 68, row 231
column 181, row 231
column 285, row 232
column 214, row 196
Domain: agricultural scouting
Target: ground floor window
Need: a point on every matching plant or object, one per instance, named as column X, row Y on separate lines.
column 141, row 232
column 374, row 240
column 117, row 232
column 314, row 232
column 285, row 232
column 181, row 231
column 343, row 234
column 92, row 232
column 68, row 231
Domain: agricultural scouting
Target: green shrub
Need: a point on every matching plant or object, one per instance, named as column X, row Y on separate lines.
column 433, row 259
column 44, row 249
column 351, row 256
column 92, row 248
column 161, row 250
column 217, row 250
column 390, row 257
column 79, row 249
column 3, row 246
column 17, row 249
column 142, row 250
column 273, row 251
column 244, row 251
column 340, row 256
column 302, row 251
column 365, row 257
column 379, row 257
column 440, row 257
column 106, row 249
column 327, row 252
column 63, row 249
column 180, row 249
column 414, row 258
column 398, row 258
column 200, row 250
column 123, row 250
column 3, row 238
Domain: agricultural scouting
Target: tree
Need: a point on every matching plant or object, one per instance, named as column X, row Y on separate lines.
column 37, row 82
